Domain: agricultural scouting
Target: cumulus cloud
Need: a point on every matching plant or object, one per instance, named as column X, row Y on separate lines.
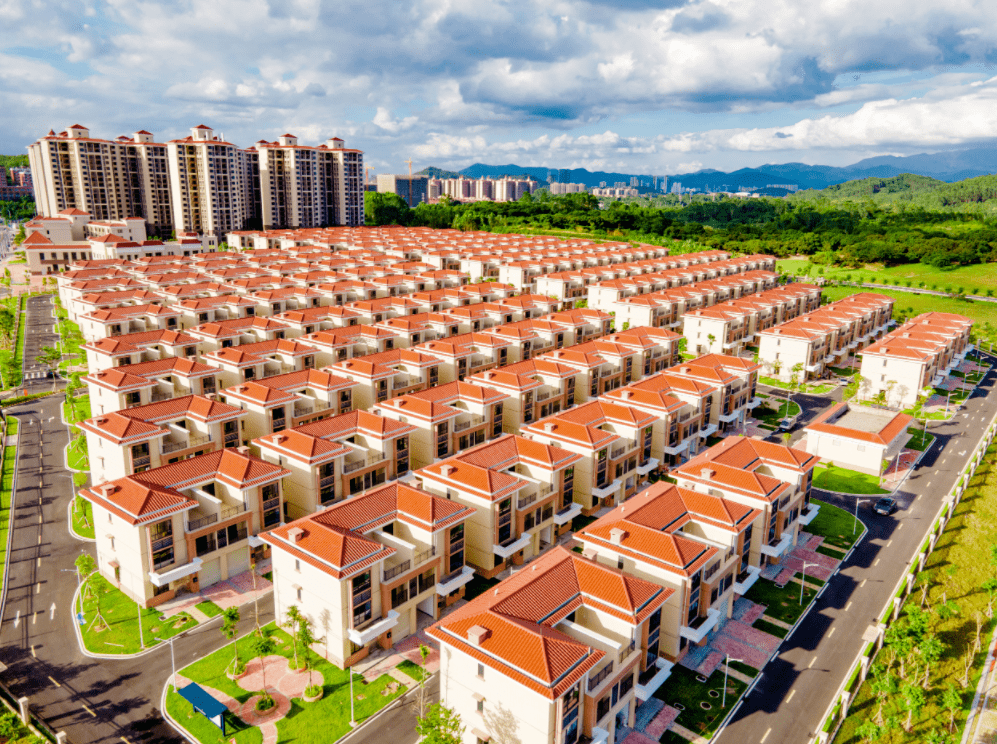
column 488, row 80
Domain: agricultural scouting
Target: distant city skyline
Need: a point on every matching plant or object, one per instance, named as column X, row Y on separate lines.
column 632, row 87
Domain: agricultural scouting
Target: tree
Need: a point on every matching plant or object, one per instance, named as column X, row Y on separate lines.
column 440, row 725
column 937, row 736
column 423, row 655
column 868, row 732
column 931, row 650
column 293, row 618
column 262, row 646
column 230, row 629
column 914, row 700
column 306, row 639
column 49, row 356
column 711, row 338
column 990, row 587
column 899, row 640
column 952, row 702
column 883, row 685
column 92, row 584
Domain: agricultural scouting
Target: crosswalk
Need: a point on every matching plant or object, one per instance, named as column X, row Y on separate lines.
column 33, row 374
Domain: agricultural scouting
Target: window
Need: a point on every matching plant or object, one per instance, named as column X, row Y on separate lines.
column 299, row 593
column 297, row 565
column 481, row 705
column 481, row 671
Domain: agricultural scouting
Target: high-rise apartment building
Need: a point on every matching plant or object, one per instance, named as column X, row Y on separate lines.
column 567, row 188
column 413, row 189
column 200, row 183
column 108, row 179
column 303, row 186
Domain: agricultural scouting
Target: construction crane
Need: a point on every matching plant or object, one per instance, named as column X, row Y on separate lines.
column 367, row 172
column 409, row 161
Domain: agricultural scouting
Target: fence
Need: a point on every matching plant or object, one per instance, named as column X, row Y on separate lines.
column 838, row 709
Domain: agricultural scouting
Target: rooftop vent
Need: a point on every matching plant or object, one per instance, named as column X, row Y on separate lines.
column 295, row 534
column 616, row 535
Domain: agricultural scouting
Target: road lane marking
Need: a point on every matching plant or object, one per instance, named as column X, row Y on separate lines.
column 790, row 695
column 89, row 711
column 17, row 619
column 889, row 542
column 39, row 538
column 34, row 617
column 929, row 484
column 33, row 654
column 51, row 612
column 38, row 588
column 848, row 607
column 863, row 583
column 810, row 665
column 766, row 735
column 831, row 631
column 54, row 682
column 39, row 562
column 876, row 563
column 900, row 526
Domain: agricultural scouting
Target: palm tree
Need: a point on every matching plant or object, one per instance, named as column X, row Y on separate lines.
column 306, row 639
column 230, row 629
column 263, row 646
column 293, row 619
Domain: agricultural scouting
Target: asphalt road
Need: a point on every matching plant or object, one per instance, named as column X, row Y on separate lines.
column 91, row 700
column 796, row 688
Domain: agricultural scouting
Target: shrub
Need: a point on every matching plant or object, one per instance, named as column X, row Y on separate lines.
column 313, row 690
column 265, row 703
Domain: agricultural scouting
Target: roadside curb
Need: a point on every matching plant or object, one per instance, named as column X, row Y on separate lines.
column 124, row 657
column 10, row 532
column 69, row 525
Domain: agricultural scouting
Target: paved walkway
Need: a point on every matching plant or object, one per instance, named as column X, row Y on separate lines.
column 233, row 592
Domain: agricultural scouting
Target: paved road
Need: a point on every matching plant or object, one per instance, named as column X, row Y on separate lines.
column 38, row 644
column 797, row 687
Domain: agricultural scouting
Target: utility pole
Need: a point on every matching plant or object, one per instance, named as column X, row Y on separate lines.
column 409, row 161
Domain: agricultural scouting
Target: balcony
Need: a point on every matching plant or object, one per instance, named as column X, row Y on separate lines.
column 741, row 587
column 160, row 395
column 754, row 402
column 526, row 501
column 626, row 651
column 173, row 445
column 678, row 449
column 708, row 431
column 372, row 458
column 701, row 627
column 609, row 490
column 568, row 513
column 511, row 546
column 778, row 548
column 646, row 691
column 808, row 517
column 454, row 581
column 363, row 636
column 165, row 577
column 197, row 519
column 602, row 675
column 728, row 417
column 648, row 466
column 471, row 420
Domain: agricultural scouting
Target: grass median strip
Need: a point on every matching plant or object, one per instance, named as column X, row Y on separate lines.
column 6, row 492
column 83, row 518
column 901, row 700
column 121, row 614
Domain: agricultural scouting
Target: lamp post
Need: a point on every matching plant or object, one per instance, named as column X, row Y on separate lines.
column 803, row 584
column 723, row 702
column 353, row 718
column 855, row 524
column 173, row 661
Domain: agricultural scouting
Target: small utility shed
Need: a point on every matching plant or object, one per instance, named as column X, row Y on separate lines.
column 858, row 437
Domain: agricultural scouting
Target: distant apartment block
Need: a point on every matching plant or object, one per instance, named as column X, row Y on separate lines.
column 557, row 189
column 414, row 190
column 198, row 184
column 481, row 189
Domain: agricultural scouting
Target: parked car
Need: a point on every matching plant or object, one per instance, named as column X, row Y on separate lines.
column 885, row 506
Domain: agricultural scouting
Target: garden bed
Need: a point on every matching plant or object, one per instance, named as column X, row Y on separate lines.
column 683, row 688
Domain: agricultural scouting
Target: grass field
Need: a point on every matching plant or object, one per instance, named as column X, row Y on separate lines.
column 683, row 688
column 122, row 614
column 83, row 518
column 79, row 411
column 976, row 279
column 919, row 440
column 6, row 492
column 843, row 480
column 209, row 608
column 835, row 525
column 325, row 720
column 957, row 569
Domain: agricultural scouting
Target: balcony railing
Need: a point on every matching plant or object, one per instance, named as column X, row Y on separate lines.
column 172, row 446
column 328, row 480
column 599, row 678
column 162, row 543
column 141, row 462
column 271, row 504
column 230, row 437
column 627, row 650
column 390, row 573
column 543, row 395
column 371, row 459
column 159, row 396
column 423, row 556
column 618, row 452
column 527, row 500
column 196, row 524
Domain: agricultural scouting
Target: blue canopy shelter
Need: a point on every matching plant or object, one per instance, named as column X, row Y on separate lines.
column 204, row 704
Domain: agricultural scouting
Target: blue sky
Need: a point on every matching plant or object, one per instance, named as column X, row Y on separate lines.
column 630, row 85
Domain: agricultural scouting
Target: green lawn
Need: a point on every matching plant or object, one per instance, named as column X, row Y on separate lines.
column 740, row 666
column 83, row 518
column 683, row 688
column 957, row 568
column 78, row 457
column 79, row 410
column 920, row 440
column 844, row 480
column 772, row 414
column 72, row 341
column 121, row 613
column 773, row 382
column 837, row 526
column 325, row 720
column 6, row 491
column 411, row 669
column 781, row 604
column 976, row 279
column 209, row 608
column 819, row 389
column 767, row 627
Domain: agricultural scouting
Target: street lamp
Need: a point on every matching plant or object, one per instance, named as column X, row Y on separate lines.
column 723, row 702
column 855, row 524
column 353, row 717
column 803, row 584
column 173, row 660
